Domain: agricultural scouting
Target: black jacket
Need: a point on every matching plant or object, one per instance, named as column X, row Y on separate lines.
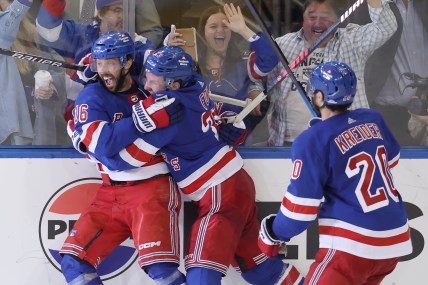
column 382, row 59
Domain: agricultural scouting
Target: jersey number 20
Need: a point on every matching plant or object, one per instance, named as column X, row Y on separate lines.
column 368, row 166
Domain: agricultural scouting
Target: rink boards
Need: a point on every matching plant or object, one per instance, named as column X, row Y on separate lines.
column 44, row 190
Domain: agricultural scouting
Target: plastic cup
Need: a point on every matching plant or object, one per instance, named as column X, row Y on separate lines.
column 42, row 78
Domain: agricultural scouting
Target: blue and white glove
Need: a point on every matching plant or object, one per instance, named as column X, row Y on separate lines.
column 87, row 74
column 268, row 243
column 233, row 134
column 75, row 138
column 149, row 114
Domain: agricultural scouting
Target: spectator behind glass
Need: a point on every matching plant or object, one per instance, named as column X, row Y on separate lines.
column 73, row 40
column 147, row 21
column 15, row 121
column 226, row 61
column 405, row 52
column 45, row 103
column 418, row 126
column 288, row 115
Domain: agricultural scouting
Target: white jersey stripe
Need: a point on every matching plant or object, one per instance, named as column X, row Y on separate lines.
column 297, row 216
column 363, row 231
column 302, row 201
column 365, row 250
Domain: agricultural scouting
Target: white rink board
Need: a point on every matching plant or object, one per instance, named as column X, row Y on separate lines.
column 27, row 184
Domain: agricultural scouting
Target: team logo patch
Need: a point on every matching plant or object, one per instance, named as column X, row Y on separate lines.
column 183, row 61
column 60, row 213
column 133, row 98
column 351, row 121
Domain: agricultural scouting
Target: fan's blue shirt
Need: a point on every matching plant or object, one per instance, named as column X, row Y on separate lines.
column 341, row 173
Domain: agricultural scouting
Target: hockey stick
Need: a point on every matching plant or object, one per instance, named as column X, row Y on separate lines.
column 248, row 105
column 228, row 100
column 306, row 52
column 281, row 57
column 42, row 60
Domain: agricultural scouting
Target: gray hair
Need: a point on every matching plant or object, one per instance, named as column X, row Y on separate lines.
column 339, row 6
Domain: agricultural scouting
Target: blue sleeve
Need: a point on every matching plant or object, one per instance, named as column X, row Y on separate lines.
column 148, row 143
column 65, row 36
column 50, row 15
column 266, row 58
column 10, row 21
column 286, row 228
column 142, row 50
column 98, row 131
column 301, row 202
column 70, row 40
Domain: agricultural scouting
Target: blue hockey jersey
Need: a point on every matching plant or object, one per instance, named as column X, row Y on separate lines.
column 341, row 171
column 101, row 118
column 195, row 155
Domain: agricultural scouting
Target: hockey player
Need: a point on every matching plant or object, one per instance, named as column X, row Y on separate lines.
column 208, row 171
column 143, row 202
column 345, row 158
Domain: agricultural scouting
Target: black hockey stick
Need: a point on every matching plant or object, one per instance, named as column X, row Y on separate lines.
column 281, row 57
column 42, row 60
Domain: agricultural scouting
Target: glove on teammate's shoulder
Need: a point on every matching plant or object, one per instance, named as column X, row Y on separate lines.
column 150, row 114
column 87, row 75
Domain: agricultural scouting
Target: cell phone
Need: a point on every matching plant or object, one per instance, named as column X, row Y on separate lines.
column 189, row 35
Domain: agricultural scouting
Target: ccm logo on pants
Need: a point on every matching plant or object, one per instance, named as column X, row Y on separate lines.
column 149, row 244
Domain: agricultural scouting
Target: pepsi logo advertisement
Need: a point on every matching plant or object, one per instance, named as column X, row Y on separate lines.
column 58, row 217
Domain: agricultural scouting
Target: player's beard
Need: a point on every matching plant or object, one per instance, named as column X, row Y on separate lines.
column 118, row 80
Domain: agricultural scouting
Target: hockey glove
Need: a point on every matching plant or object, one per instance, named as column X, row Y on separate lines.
column 268, row 243
column 150, row 114
column 232, row 134
column 87, row 75
column 75, row 138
